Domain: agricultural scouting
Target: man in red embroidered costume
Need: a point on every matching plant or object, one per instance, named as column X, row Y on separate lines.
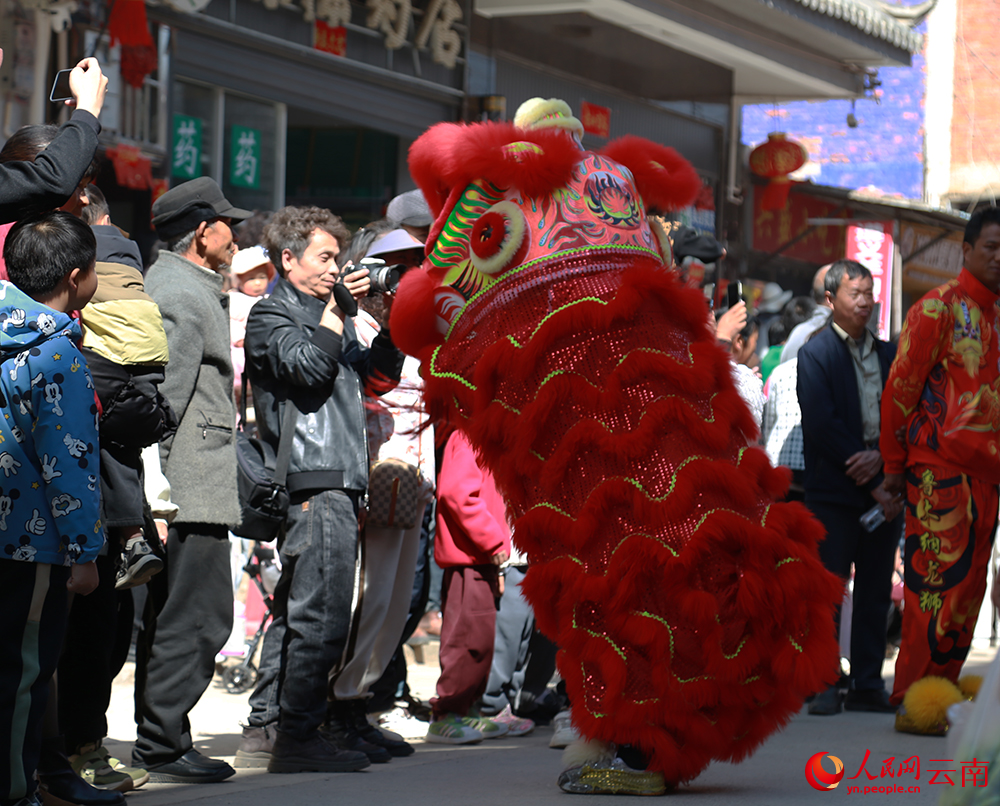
column 943, row 389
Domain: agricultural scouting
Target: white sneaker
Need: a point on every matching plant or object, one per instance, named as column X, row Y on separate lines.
column 565, row 734
column 452, row 729
column 373, row 721
column 487, row 727
column 400, row 722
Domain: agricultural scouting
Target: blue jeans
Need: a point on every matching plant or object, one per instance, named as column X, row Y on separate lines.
column 312, row 614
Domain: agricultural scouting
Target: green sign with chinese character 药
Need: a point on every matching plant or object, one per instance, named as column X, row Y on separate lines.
column 185, row 161
column 244, row 162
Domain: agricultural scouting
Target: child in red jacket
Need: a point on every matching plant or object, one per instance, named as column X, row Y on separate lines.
column 472, row 542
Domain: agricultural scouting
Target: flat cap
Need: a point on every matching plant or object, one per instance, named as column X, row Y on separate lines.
column 181, row 209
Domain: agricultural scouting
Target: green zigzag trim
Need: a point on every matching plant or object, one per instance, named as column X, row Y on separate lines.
column 670, row 490
column 545, row 259
column 663, row 621
column 738, row 650
column 606, row 426
column 558, row 310
column 595, row 714
column 554, row 373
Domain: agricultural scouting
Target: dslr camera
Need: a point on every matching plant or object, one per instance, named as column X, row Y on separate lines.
column 384, row 278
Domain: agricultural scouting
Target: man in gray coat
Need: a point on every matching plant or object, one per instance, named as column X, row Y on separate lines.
column 190, row 609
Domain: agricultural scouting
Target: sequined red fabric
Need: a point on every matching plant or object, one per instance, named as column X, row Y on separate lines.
column 692, row 612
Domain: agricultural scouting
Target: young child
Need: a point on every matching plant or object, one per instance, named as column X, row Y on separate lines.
column 126, row 351
column 50, row 527
column 251, row 273
column 472, row 542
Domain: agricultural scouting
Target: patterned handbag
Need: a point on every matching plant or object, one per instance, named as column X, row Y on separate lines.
column 394, row 494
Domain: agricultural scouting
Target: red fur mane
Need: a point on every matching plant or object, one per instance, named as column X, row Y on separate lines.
column 451, row 155
column 665, row 179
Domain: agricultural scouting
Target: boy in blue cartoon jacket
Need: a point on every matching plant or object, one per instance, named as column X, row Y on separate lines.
column 50, row 528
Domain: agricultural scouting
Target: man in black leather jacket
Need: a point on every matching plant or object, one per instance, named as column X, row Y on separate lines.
column 301, row 350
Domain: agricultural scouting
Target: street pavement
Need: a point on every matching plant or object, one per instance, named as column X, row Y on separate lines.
column 524, row 770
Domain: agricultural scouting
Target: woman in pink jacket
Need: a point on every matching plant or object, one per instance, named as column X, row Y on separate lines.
column 472, row 542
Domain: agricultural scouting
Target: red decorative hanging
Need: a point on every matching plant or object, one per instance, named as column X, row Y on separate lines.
column 132, row 170
column 128, row 25
column 774, row 160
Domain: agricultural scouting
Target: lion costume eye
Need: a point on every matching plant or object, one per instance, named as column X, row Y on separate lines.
column 498, row 238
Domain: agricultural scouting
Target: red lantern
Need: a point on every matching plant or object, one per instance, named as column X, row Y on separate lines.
column 128, row 25
column 132, row 170
column 774, row 160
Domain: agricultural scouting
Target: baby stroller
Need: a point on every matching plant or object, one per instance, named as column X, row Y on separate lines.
column 264, row 572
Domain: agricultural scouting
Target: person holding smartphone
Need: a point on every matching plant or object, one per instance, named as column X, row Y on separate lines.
column 52, row 178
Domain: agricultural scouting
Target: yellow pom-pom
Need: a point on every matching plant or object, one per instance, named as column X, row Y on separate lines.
column 969, row 685
column 927, row 702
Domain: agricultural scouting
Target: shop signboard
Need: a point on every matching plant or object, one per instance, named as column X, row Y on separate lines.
column 244, row 163
column 595, row 119
column 870, row 244
column 931, row 256
column 433, row 23
column 330, row 38
column 788, row 229
column 185, row 161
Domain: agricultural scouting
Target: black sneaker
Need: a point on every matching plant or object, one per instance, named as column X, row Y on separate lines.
column 826, row 703
column 874, row 700
column 314, row 754
column 359, row 719
column 341, row 731
column 191, row 768
column 139, row 564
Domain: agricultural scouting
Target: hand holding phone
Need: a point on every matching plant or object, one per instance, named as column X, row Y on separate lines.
column 83, row 86
column 60, row 87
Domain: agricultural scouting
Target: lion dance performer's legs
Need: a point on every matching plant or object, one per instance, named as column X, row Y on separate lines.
column 950, row 519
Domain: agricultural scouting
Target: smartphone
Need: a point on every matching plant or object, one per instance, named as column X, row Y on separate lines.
column 709, row 290
column 734, row 293
column 60, row 87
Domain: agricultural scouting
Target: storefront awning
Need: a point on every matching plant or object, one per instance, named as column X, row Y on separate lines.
column 763, row 49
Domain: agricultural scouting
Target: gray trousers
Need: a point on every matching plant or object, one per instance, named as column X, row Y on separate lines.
column 312, row 614
column 515, row 623
column 189, row 616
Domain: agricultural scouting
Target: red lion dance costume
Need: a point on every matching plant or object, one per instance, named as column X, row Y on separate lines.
column 692, row 612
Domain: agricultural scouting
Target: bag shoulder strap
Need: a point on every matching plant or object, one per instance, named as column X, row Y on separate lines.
column 284, row 454
column 285, row 443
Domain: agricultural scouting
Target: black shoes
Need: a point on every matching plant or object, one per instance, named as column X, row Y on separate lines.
column 341, row 731
column 68, row 788
column 875, row 700
column 830, row 702
column 314, row 754
column 826, row 703
column 359, row 717
column 191, row 768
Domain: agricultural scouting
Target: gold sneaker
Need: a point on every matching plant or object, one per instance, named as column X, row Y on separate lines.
column 905, row 724
column 611, row 777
